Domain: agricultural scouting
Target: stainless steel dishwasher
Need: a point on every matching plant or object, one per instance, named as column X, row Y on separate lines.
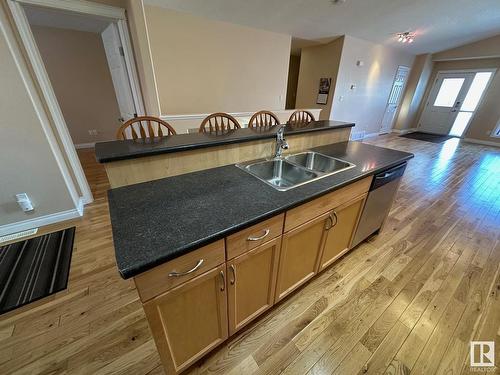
column 378, row 203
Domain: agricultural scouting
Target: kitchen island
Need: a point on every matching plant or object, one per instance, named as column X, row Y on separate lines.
column 212, row 250
column 132, row 161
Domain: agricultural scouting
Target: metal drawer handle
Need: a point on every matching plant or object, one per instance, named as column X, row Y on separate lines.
column 332, row 223
column 266, row 232
column 223, row 278
column 233, row 270
column 178, row 274
column 388, row 174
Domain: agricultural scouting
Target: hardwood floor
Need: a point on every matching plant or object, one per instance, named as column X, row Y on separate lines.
column 407, row 301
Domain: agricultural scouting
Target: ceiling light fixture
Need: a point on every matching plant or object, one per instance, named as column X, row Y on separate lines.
column 406, row 37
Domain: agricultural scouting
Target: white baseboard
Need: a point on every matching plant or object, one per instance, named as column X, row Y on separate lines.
column 481, row 142
column 404, row 131
column 85, row 145
column 370, row 135
column 42, row 220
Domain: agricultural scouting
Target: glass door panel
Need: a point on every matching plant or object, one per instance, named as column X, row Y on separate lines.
column 461, row 122
column 448, row 92
column 476, row 91
column 471, row 101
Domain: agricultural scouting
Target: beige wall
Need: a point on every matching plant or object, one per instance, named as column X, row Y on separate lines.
column 203, row 66
column 414, row 92
column 486, row 48
column 318, row 62
column 27, row 163
column 293, row 80
column 79, row 73
column 488, row 113
column 366, row 104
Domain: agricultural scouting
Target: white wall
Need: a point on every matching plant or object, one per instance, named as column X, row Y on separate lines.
column 365, row 105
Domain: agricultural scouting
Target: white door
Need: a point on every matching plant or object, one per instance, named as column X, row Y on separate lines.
column 394, row 98
column 444, row 102
column 119, row 73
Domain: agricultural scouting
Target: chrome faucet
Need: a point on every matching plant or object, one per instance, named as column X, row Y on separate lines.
column 281, row 143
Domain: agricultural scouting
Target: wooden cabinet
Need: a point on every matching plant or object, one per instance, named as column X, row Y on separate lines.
column 340, row 228
column 300, row 255
column 310, row 210
column 189, row 320
column 195, row 301
column 251, row 283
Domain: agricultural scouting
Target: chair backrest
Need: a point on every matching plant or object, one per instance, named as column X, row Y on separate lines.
column 218, row 123
column 301, row 117
column 263, row 119
column 144, row 127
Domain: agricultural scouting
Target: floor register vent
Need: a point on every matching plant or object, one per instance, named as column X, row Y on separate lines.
column 15, row 236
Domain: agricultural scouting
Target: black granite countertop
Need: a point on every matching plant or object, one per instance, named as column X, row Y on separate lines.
column 129, row 149
column 157, row 221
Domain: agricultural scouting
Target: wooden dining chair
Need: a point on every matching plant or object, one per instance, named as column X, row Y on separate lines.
column 301, row 117
column 218, row 123
column 144, row 127
column 263, row 119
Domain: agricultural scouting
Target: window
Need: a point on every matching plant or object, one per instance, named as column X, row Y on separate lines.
column 448, row 92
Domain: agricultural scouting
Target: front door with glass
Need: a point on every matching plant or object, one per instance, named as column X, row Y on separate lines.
column 452, row 102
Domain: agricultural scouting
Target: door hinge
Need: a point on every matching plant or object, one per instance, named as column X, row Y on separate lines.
column 120, row 49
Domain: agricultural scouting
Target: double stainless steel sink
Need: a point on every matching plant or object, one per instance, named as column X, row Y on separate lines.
column 294, row 170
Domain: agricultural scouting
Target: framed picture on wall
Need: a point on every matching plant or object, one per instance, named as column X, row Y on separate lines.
column 324, row 90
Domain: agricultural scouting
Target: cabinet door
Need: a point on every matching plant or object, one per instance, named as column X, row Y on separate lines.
column 189, row 320
column 340, row 228
column 300, row 255
column 251, row 283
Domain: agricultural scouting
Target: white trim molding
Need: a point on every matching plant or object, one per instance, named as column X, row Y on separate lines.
column 65, row 150
column 79, row 6
column 42, row 221
column 481, row 142
column 185, row 123
column 201, row 116
column 85, row 145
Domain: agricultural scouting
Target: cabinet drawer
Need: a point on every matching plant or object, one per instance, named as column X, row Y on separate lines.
column 177, row 271
column 318, row 206
column 254, row 236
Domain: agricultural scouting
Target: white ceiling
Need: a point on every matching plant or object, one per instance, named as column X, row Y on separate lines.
column 40, row 16
column 439, row 24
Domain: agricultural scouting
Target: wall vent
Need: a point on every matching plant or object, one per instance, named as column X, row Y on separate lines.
column 358, row 136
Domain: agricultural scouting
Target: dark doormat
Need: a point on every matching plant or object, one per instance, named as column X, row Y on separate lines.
column 34, row 268
column 427, row 137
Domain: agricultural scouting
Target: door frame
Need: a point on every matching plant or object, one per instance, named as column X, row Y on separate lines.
column 27, row 40
column 432, row 83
